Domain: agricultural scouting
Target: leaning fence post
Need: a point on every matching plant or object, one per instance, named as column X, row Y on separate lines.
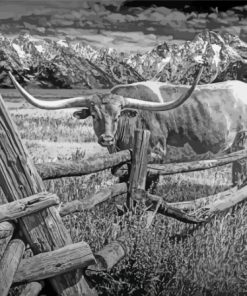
column 44, row 230
column 139, row 162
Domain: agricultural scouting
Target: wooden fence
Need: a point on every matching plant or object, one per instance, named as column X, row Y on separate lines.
column 25, row 205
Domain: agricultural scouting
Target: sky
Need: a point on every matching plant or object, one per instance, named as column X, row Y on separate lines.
column 18, row 8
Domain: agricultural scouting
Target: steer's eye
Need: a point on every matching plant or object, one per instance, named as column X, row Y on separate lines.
column 93, row 115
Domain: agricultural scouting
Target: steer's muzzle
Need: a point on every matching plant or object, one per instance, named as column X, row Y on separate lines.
column 106, row 140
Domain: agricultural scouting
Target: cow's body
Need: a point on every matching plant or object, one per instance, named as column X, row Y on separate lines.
column 209, row 121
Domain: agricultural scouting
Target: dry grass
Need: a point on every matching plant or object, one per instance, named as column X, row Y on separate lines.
column 54, row 126
column 170, row 258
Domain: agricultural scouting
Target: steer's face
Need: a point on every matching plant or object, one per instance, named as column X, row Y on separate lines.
column 105, row 111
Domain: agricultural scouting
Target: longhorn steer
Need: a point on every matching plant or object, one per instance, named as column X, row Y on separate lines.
column 115, row 131
column 208, row 122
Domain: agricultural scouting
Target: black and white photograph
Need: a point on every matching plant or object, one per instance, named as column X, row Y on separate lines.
column 123, row 148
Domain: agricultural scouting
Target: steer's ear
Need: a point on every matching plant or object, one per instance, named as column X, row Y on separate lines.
column 82, row 114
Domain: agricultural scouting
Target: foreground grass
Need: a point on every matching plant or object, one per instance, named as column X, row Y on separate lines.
column 170, row 258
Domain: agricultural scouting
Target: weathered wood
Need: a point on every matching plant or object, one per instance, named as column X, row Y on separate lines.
column 6, row 229
column 160, row 206
column 48, row 170
column 203, row 209
column 6, row 232
column 109, row 256
column 209, row 206
column 27, row 205
column 139, row 165
column 222, row 204
column 183, row 167
column 93, row 200
column 53, row 170
column 44, row 230
column 32, row 289
column 191, row 205
column 9, row 264
column 50, row 264
column 239, row 172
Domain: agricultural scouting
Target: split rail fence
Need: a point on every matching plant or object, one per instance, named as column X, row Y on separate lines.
column 30, row 215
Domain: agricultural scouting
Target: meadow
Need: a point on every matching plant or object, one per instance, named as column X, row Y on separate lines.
column 169, row 258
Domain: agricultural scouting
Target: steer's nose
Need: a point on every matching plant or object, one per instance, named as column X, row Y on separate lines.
column 106, row 140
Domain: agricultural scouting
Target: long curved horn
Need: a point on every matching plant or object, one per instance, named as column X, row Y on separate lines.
column 153, row 106
column 83, row 101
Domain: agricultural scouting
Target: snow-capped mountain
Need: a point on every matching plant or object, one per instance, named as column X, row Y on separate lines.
column 46, row 63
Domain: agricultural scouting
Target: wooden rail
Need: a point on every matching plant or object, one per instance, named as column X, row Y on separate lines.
column 50, row 264
column 93, row 200
column 53, row 170
column 184, row 167
column 28, row 205
column 109, row 256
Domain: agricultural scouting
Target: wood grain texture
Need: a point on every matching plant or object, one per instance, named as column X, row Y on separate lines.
column 27, row 205
column 160, row 206
column 9, row 264
column 138, row 172
column 191, row 205
column 32, row 289
column 44, row 231
column 50, row 264
column 224, row 202
column 6, row 232
column 183, row 167
column 93, row 200
column 207, row 207
column 201, row 209
column 53, row 170
column 109, row 256
column 6, row 229
column 48, row 170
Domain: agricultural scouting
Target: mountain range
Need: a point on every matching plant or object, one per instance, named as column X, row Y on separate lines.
column 45, row 63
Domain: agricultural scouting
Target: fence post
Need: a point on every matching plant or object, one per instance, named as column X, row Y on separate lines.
column 44, row 230
column 239, row 172
column 239, row 167
column 139, row 162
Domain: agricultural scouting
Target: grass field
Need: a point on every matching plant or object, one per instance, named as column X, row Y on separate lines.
column 170, row 258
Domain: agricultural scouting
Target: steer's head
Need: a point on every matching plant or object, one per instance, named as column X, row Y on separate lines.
column 104, row 108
